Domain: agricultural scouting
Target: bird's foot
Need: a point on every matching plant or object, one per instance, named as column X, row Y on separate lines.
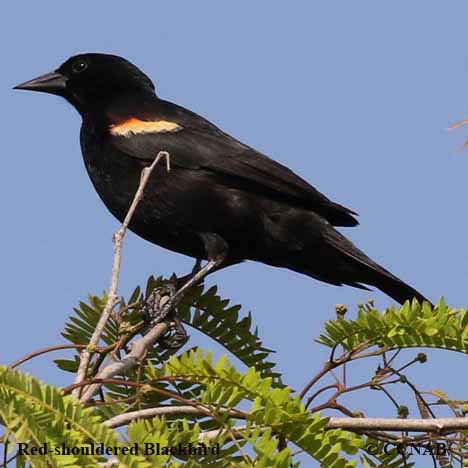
column 154, row 309
column 175, row 337
column 158, row 307
column 163, row 300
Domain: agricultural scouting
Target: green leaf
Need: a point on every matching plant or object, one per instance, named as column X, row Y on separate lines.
column 37, row 413
column 407, row 327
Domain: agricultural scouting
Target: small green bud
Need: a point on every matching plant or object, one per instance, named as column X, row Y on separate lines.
column 91, row 348
column 403, row 412
column 421, row 357
column 145, row 389
column 124, row 327
column 341, row 310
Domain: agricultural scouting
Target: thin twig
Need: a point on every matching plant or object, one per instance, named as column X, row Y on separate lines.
column 235, row 431
column 128, row 383
column 7, row 462
column 389, row 396
column 330, row 365
column 112, row 298
column 318, row 392
column 418, row 394
column 325, row 369
column 5, row 452
column 39, row 352
column 342, row 409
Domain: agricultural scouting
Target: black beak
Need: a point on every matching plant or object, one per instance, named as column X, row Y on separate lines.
column 53, row 83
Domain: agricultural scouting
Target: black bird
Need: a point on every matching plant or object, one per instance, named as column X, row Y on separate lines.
column 222, row 200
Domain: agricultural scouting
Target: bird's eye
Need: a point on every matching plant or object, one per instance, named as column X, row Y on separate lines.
column 79, row 66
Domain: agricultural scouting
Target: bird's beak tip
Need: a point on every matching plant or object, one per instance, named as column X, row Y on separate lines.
column 53, row 83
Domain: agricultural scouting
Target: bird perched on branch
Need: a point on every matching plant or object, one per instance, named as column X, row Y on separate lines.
column 222, row 201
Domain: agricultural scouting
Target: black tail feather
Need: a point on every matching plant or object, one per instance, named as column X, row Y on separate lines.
column 358, row 267
column 396, row 288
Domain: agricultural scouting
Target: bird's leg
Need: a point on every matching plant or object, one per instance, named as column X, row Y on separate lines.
column 183, row 279
column 216, row 250
column 160, row 307
column 199, row 275
column 197, row 267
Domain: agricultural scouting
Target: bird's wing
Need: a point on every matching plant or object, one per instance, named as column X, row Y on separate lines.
column 195, row 143
column 270, row 175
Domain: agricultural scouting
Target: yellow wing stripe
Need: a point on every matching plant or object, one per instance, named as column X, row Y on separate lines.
column 135, row 126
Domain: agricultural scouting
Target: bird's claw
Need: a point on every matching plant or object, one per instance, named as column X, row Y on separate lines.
column 175, row 337
column 155, row 309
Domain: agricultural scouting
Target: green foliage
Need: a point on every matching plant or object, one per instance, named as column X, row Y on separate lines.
column 270, row 407
column 36, row 413
column 81, row 327
column 413, row 325
column 255, row 418
column 202, row 310
column 211, row 315
column 383, row 457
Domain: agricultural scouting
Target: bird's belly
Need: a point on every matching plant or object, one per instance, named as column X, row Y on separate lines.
column 177, row 207
column 159, row 217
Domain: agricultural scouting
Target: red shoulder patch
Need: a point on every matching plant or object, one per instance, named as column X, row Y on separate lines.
column 134, row 126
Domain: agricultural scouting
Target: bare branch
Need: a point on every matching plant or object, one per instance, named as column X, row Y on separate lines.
column 139, row 349
column 112, row 298
column 438, row 425
column 369, row 424
column 167, row 412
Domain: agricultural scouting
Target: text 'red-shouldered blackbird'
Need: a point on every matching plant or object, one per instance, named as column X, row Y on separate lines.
column 222, row 200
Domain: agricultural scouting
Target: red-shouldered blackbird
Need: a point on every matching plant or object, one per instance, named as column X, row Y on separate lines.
column 222, row 199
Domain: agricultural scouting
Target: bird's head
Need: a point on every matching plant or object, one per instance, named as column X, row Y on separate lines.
column 93, row 81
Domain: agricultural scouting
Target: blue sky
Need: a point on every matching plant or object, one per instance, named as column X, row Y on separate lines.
column 354, row 96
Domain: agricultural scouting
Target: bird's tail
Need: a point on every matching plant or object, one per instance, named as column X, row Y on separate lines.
column 306, row 243
column 395, row 287
column 368, row 272
column 336, row 260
